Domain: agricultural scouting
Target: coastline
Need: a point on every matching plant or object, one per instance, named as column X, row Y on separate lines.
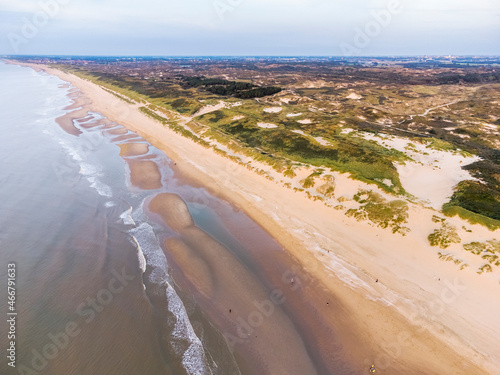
column 319, row 236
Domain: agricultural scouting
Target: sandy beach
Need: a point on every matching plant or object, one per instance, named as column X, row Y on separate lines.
column 400, row 307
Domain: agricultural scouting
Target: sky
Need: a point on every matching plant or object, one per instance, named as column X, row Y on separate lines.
column 250, row 27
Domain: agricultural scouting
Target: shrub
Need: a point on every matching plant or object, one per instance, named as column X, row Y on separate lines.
column 444, row 236
column 383, row 213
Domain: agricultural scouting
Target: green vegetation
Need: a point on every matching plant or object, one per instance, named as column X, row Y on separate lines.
column 440, row 145
column 289, row 172
column 493, row 259
column 185, row 106
column 485, row 268
column 451, row 258
column 446, row 78
column 489, row 251
column 478, row 248
column 437, row 219
column 444, row 237
column 242, row 90
column 366, row 161
column 471, row 217
column 383, row 213
column 475, row 202
column 308, row 182
column 172, row 125
column 124, row 98
column 328, row 188
column 384, row 106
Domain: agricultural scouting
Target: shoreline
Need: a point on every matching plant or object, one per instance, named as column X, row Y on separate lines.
column 301, row 225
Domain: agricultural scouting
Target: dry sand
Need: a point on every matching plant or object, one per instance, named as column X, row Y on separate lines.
column 266, row 125
column 354, row 96
column 415, row 323
column 305, row 121
column 273, row 109
column 433, row 174
column 210, row 108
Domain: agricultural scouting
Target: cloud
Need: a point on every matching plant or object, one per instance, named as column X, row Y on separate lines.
column 255, row 26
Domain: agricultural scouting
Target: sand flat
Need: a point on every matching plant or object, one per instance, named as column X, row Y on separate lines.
column 133, row 149
column 211, row 268
column 119, row 130
column 172, row 210
column 77, row 111
column 144, row 174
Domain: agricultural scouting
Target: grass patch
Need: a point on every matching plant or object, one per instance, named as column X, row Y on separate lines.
column 328, row 188
column 485, row 268
column 477, row 198
column 471, row 217
column 383, row 213
column 122, row 97
column 444, row 237
column 175, row 127
column 364, row 161
column 478, row 248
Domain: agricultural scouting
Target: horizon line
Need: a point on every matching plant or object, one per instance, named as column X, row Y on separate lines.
column 255, row 56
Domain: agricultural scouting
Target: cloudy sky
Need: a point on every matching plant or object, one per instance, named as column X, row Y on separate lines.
column 250, row 27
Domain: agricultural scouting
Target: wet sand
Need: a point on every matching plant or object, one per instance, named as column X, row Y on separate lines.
column 144, row 174
column 229, row 293
column 133, row 149
column 79, row 107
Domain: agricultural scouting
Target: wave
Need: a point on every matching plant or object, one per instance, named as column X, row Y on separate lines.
column 193, row 358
